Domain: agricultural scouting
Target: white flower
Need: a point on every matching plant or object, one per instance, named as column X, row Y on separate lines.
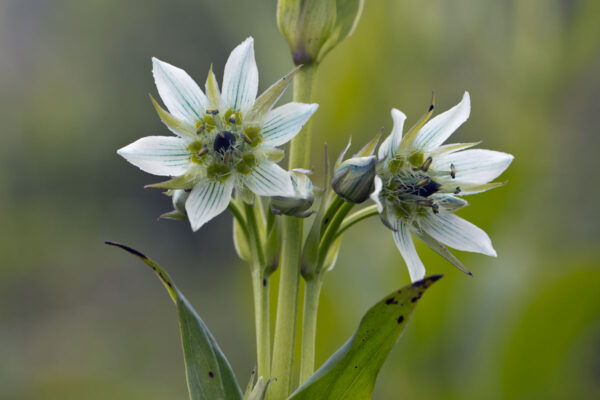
column 419, row 182
column 225, row 140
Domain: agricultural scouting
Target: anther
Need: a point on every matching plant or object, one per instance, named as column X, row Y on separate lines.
column 202, row 151
column 212, row 112
column 200, row 127
column 247, row 139
column 423, row 182
column 232, row 119
column 427, row 203
column 426, row 164
column 452, row 171
column 435, row 208
column 457, row 191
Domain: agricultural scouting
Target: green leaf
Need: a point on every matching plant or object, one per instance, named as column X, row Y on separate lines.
column 351, row 372
column 209, row 375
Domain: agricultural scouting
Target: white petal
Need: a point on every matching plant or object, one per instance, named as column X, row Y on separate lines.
column 207, row 200
column 240, row 80
column 283, row 123
column 390, row 145
column 436, row 131
column 475, row 166
column 158, row 155
column 405, row 244
column 269, row 179
column 182, row 96
column 457, row 232
column 375, row 194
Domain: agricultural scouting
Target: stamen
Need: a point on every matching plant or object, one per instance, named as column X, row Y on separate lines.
column 452, row 171
column 423, row 181
column 247, row 139
column 200, row 127
column 426, row 164
column 202, row 151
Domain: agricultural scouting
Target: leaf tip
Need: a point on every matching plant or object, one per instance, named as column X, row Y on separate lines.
column 127, row 248
column 428, row 281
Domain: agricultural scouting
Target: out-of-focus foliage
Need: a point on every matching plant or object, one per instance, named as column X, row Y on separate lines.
column 76, row 321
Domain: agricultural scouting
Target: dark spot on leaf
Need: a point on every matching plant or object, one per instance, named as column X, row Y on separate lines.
column 264, row 282
column 400, row 319
column 356, row 366
column 211, row 374
column 391, row 300
column 431, row 107
column 414, row 299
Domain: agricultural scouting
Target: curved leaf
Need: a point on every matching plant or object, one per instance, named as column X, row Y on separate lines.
column 351, row 372
column 209, row 375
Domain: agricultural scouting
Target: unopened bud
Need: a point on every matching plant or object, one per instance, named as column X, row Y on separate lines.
column 353, row 180
column 179, row 198
column 314, row 27
column 298, row 205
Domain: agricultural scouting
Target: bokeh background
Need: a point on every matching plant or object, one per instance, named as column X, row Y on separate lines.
column 80, row 320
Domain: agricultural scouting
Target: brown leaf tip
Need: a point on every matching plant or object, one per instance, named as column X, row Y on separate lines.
column 127, row 248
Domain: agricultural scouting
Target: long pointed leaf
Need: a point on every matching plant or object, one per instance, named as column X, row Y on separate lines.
column 351, row 372
column 209, row 375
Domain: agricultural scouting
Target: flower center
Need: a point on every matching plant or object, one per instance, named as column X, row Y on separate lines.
column 223, row 142
column 225, row 145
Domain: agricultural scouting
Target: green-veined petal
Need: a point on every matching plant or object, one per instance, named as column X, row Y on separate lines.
column 182, row 96
column 457, row 232
column 283, row 123
column 404, row 242
column 269, row 179
column 240, row 79
column 207, row 200
column 158, row 155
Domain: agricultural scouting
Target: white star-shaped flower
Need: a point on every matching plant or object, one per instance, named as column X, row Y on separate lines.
column 419, row 182
column 225, row 139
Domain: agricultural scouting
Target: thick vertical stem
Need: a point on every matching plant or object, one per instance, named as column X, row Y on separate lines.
column 287, row 302
column 309, row 326
column 260, row 288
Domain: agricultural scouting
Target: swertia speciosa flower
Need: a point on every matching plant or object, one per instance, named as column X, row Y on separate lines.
column 419, row 182
column 225, row 139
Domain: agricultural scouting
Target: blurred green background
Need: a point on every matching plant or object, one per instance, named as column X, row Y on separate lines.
column 79, row 320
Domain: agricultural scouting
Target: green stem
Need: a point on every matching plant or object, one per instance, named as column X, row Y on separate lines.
column 260, row 288
column 287, row 301
column 356, row 217
column 331, row 211
column 309, row 326
column 256, row 244
column 330, row 232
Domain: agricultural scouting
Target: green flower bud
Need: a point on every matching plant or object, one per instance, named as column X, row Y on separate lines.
column 314, row 27
column 179, row 198
column 353, row 180
column 298, row 205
